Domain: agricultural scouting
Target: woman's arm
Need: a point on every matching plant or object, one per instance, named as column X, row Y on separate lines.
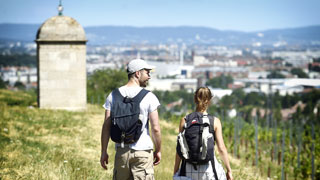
column 221, row 147
column 176, row 164
column 178, row 159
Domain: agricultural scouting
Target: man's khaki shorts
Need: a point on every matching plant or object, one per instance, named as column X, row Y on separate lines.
column 132, row 164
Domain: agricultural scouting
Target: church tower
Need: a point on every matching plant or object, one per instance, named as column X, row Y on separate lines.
column 61, row 58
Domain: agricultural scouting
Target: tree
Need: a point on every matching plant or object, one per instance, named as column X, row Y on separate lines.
column 275, row 74
column 220, row 81
column 312, row 96
column 299, row 72
column 308, row 110
column 19, row 85
column 226, row 102
column 166, row 97
column 288, row 101
column 18, row 60
column 313, row 68
column 255, row 99
column 239, row 95
column 102, row 82
column 3, row 84
column 277, row 113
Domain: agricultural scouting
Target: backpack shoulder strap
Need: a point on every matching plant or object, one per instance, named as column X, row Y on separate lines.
column 211, row 127
column 183, row 168
column 138, row 98
column 116, row 95
column 214, row 169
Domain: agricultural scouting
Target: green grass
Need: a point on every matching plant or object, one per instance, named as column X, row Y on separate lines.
column 48, row 144
column 56, row 144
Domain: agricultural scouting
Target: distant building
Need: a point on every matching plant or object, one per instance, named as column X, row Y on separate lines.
column 189, row 85
column 283, row 86
column 209, row 71
column 219, row 93
column 297, row 58
column 164, row 69
column 199, row 60
column 61, row 54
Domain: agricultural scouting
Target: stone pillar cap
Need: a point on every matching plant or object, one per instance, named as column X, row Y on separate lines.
column 61, row 28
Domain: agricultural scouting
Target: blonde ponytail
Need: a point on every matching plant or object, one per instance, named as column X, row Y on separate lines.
column 202, row 98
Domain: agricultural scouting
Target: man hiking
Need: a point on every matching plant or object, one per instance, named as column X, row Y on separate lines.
column 134, row 157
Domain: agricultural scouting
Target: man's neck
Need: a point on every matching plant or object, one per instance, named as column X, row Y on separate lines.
column 133, row 83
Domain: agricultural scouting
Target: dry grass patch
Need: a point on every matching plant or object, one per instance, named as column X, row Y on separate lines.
column 51, row 144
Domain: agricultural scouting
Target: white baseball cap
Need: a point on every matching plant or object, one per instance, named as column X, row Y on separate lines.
column 137, row 65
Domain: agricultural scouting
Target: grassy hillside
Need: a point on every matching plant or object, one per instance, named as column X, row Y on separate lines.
column 56, row 144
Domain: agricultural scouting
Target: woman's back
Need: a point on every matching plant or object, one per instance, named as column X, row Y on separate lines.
column 205, row 171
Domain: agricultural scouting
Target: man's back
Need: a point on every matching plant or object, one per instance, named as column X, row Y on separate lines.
column 148, row 104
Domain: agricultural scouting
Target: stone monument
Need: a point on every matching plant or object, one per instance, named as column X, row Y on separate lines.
column 61, row 58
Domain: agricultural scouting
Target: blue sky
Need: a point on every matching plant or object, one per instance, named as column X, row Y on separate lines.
column 243, row 15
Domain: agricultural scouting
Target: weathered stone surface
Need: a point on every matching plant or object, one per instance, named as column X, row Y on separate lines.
column 61, row 64
column 61, row 28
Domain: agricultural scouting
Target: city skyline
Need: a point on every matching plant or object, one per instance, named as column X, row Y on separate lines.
column 244, row 15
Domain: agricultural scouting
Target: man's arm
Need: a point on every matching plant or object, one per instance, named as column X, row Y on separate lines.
column 156, row 135
column 105, row 135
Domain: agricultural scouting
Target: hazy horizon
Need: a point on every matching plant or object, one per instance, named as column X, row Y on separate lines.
column 243, row 15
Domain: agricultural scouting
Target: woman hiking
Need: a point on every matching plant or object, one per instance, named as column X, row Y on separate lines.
column 184, row 169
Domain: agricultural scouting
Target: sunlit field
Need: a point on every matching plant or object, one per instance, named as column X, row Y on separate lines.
column 56, row 144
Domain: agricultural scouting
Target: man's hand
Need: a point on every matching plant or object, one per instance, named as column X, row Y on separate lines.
column 156, row 158
column 104, row 160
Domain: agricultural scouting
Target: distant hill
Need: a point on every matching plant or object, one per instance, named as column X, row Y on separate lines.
column 100, row 35
column 18, row 32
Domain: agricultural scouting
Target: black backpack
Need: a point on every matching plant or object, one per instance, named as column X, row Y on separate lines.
column 192, row 147
column 126, row 127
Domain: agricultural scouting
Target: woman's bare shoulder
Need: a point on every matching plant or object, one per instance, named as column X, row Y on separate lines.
column 217, row 123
